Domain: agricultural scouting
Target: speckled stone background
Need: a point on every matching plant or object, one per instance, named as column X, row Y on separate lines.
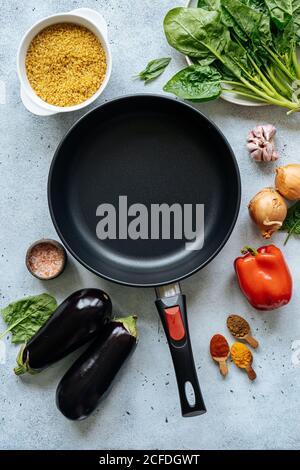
column 142, row 410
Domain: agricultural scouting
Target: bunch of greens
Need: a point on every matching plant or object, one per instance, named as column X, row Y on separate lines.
column 246, row 47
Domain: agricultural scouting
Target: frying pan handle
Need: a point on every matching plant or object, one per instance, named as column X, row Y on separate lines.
column 173, row 314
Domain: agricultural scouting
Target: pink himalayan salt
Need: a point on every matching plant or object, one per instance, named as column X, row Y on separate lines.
column 45, row 260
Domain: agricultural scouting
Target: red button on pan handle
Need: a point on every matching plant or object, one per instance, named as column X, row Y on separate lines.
column 174, row 322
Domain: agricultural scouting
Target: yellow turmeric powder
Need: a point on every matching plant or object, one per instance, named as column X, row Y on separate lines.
column 241, row 355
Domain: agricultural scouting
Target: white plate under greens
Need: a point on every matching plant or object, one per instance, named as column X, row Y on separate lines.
column 231, row 97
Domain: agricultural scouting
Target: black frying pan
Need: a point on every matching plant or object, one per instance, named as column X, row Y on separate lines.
column 153, row 150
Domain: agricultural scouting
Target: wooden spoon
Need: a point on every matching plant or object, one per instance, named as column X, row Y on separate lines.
column 220, row 346
column 222, row 364
column 248, row 365
column 251, row 372
column 240, row 328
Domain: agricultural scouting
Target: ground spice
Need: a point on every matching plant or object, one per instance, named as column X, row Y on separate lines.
column 219, row 346
column 241, row 355
column 65, row 64
column 238, row 326
column 46, row 260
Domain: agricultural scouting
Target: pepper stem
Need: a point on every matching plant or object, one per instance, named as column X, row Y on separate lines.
column 249, row 249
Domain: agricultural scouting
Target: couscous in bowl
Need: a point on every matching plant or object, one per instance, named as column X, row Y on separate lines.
column 90, row 29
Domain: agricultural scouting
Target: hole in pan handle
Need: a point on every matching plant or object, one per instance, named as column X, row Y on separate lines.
column 171, row 306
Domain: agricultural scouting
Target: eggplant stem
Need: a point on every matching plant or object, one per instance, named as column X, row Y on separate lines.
column 20, row 370
column 129, row 323
column 23, row 367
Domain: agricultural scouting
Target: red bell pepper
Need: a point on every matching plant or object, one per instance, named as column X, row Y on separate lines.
column 264, row 277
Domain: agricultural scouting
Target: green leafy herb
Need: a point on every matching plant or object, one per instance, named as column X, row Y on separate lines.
column 258, row 5
column 247, row 22
column 281, row 11
column 251, row 44
column 196, row 32
column 154, row 69
column 209, row 4
column 195, row 83
column 291, row 223
column 26, row 316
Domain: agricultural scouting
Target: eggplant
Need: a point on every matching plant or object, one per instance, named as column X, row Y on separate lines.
column 90, row 378
column 77, row 320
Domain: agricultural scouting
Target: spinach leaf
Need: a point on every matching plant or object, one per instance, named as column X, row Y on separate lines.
column 209, row 4
column 285, row 14
column 258, row 5
column 285, row 39
column 291, row 223
column 230, row 22
column 248, row 23
column 26, row 316
column 195, row 83
column 281, row 11
column 236, row 60
column 154, row 69
column 296, row 20
column 196, row 32
column 207, row 61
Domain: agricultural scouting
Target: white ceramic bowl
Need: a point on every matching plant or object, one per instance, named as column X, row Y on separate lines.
column 87, row 17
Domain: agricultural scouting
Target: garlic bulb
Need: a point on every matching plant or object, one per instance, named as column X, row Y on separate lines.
column 260, row 143
column 268, row 210
column 287, row 181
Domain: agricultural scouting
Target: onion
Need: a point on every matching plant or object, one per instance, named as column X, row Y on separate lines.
column 268, row 210
column 287, row 181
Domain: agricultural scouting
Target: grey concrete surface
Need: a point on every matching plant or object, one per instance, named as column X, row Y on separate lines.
column 142, row 410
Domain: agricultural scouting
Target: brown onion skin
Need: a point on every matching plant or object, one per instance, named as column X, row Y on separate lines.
column 268, row 210
column 287, row 181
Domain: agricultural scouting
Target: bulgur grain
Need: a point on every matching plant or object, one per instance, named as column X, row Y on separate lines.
column 65, row 64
